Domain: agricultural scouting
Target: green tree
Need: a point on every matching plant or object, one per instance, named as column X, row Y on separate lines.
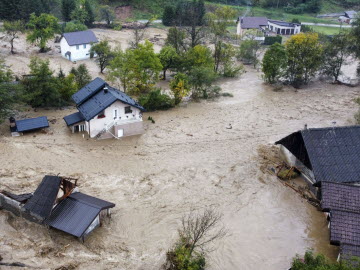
column 304, row 53
column 274, row 63
column 67, row 7
column 199, row 56
column 107, row 14
column 66, row 86
column 319, row 262
column 12, row 29
column 103, row 52
column 176, row 39
column 201, row 79
column 12, row 10
column 40, row 89
column 79, row 15
column 42, row 28
column 74, row 27
column 168, row 18
column 248, row 52
column 156, row 100
column 90, row 13
column 355, row 35
column 168, row 58
column 218, row 23
column 336, row 53
column 82, row 76
column 9, row 92
column 180, row 87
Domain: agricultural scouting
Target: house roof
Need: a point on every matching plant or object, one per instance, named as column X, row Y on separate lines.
column 103, row 99
column 351, row 14
column 333, row 154
column 340, row 197
column 348, row 252
column 43, row 199
column 75, row 214
column 31, row 124
column 344, row 228
column 81, row 37
column 285, row 24
column 17, row 197
column 88, row 90
column 74, row 118
column 253, row 22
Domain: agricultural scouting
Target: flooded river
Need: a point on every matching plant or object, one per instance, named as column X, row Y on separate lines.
column 188, row 159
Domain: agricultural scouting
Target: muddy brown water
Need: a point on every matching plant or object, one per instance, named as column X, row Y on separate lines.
column 188, row 159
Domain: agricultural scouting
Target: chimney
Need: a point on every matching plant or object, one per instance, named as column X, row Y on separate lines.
column 106, row 90
column 305, row 127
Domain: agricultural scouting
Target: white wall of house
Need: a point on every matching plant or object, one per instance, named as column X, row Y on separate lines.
column 113, row 114
column 283, row 30
column 78, row 52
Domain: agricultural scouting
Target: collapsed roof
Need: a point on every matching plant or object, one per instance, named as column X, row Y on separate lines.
column 76, row 213
column 333, row 154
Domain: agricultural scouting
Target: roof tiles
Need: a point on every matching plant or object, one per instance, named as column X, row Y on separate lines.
column 80, row 37
column 31, row 124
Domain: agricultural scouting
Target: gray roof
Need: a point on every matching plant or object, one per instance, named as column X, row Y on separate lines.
column 43, row 199
column 74, row 118
column 351, row 14
column 88, row 90
column 81, row 37
column 344, row 228
column 333, row 154
column 75, row 214
column 340, row 197
column 31, row 124
column 285, row 24
column 253, row 22
column 348, row 252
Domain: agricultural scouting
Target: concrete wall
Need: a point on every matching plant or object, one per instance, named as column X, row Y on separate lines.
column 130, row 129
column 77, row 52
column 97, row 124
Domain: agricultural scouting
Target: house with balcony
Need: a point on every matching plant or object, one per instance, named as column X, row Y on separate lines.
column 105, row 112
column 76, row 45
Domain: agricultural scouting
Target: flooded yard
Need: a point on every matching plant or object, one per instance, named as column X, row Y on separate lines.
column 188, row 159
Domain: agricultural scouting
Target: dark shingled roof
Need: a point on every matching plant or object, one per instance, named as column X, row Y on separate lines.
column 74, row 118
column 285, row 24
column 43, row 199
column 253, row 22
column 340, row 197
column 344, row 228
column 88, row 90
column 76, row 213
column 333, row 154
column 31, row 124
column 20, row 198
column 103, row 99
column 81, row 37
column 348, row 252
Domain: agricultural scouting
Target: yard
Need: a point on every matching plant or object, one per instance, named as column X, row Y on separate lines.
column 188, row 159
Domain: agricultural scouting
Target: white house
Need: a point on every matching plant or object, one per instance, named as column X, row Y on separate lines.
column 348, row 17
column 284, row 28
column 76, row 45
column 105, row 112
column 266, row 26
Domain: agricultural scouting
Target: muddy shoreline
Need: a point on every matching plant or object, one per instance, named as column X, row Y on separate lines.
column 187, row 159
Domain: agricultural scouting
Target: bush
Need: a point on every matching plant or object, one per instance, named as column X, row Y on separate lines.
column 155, row 100
column 272, row 40
column 74, row 27
column 116, row 26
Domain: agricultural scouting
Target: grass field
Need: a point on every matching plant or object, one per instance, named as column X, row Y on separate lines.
column 326, row 30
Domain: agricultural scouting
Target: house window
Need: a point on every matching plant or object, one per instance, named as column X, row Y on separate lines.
column 115, row 114
column 77, row 47
column 84, row 46
column 128, row 109
column 101, row 115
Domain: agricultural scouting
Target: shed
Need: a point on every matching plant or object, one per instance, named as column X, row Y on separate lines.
column 30, row 124
column 78, row 214
column 325, row 154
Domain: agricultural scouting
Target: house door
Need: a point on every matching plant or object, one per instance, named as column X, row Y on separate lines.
column 120, row 133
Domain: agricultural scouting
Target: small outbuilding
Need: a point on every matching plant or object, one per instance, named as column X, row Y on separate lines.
column 76, row 45
column 17, row 127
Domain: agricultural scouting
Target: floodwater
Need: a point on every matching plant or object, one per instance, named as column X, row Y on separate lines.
column 188, row 159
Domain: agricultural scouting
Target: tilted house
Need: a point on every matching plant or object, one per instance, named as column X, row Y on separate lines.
column 58, row 204
column 105, row 112
column 324, row 154
column 76, row 45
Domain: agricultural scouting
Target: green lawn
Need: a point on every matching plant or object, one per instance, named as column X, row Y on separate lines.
column 326, row 30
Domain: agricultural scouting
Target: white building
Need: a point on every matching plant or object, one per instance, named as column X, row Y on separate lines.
column 348, row 17
column 265, row 26
column 76, row 45
column 105, row 112
column 284, row 28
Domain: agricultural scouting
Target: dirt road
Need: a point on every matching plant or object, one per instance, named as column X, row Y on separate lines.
column 187, row 159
